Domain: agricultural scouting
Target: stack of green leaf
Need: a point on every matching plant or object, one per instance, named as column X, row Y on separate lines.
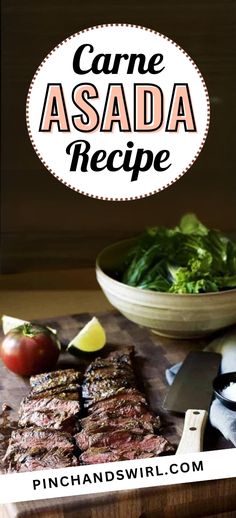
column 189, row 258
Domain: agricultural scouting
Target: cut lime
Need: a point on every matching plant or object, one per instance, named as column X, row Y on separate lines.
column 90, row 339
column 9, row 323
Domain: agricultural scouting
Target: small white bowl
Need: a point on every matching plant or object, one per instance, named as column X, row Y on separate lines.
column 168, row 314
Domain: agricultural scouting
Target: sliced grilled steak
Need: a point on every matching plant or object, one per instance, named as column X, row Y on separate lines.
column 49, row 461
column 55, row 379
column 104, row 424
column 66, row 407
column 123, row 396
column 111, row 371
column 102, row 455
column 71, row 392
column 92, row 388
column 99, row 455
column 149, row 446
column 49, row 419
column 38, row 438
column 121, row 357
column 137, row 410
column 119, row 425
column 105, row 389
column 113, row 439
column 124, row 355
column 37, row 460
column 34, row 448
column 37, row 443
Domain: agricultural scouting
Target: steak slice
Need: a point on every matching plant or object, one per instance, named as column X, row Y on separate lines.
column 55, row 379
column 111, row 371
column 124, row 355
column 91, row 425
column 49, row 461
column 92, row 387
column 66, row 407
column 37, row 460
column 49, row 419
column 24, row 439
column 105, row 388
column 99, row 456
column 105, row 377
column 34, row 448
column 119, row 357
column 71, row 392
column 149, row 446
column 114, row 439
column 136, row 410
column 123, row 396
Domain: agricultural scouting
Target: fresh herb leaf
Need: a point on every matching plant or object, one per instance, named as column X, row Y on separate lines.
column 189, row 258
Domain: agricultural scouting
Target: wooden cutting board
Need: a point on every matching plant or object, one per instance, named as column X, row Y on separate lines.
column 154, row 355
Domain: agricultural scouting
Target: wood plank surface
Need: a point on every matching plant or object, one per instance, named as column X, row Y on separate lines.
column 153, row 355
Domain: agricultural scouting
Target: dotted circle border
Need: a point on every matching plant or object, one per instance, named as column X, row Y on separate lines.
column 132, row 198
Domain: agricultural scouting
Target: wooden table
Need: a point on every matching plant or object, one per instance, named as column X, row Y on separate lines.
column 42, row 298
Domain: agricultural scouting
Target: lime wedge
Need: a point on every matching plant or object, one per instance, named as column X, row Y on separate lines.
column 9, row 323
column 90, row 339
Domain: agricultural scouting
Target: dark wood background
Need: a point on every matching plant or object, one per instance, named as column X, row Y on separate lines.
column 45, row 224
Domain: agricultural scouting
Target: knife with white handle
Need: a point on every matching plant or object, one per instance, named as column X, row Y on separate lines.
column 191, row 394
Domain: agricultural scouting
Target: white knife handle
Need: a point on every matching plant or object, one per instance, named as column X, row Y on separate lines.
column 193, row 432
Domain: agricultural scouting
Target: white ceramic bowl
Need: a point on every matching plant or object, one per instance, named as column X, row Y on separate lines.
column 168, row 314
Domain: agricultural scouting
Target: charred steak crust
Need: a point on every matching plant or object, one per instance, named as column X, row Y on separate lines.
column 123, row 356
column 39, row 445
column 151, row 446
column 44, row 408
column 105, row 377
column 48, row 461
column 55, row 379
column 71, row 391
column 51, row 409
column 119, row 425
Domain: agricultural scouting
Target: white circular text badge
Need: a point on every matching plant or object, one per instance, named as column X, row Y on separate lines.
column 117, row 112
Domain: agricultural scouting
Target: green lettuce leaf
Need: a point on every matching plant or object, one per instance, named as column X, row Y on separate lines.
column 189, row 258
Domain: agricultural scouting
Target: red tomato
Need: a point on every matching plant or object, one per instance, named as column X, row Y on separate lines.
column 30, row 349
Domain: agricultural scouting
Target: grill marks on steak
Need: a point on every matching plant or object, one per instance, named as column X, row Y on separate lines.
column 121, row 398
column 49, row 460
column 49, row 419
column 44, row 416
column 36, row 448
column 55, row 379
column 49, row 404
column 29, row 437
column 50, row 412
column 104, row 378
column 69, row 407
column 103, row 424
column 149, row 446
column 119, row 357
column 70, row 392
column 112, row 438
column 119, row 425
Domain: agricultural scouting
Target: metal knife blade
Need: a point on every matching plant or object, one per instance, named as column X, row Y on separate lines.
column 191, row 392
